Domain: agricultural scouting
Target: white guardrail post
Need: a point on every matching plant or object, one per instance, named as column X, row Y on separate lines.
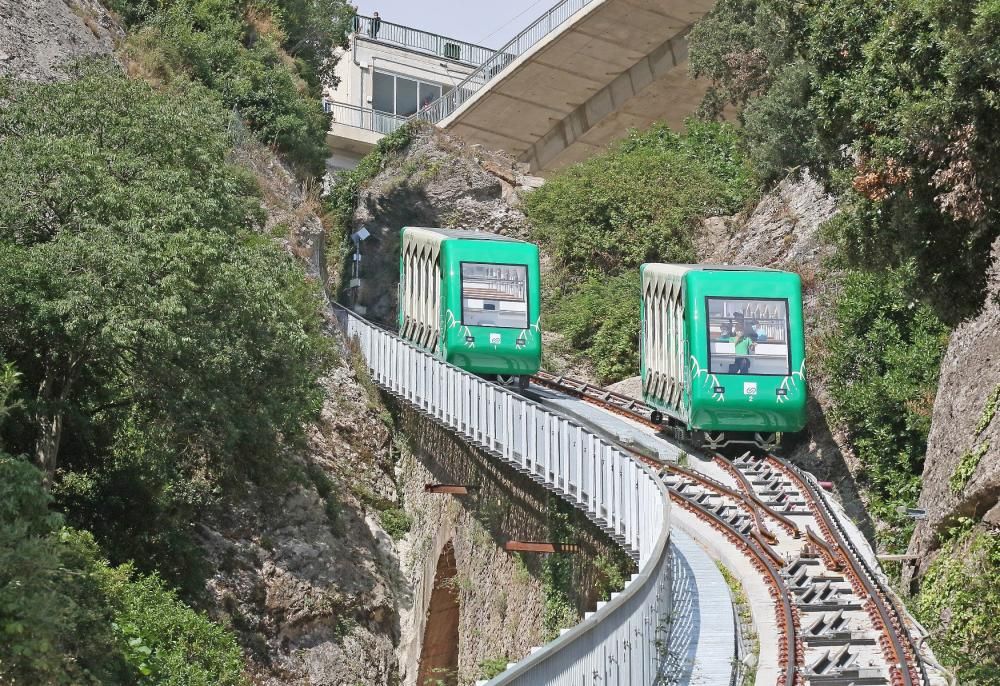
column 623, row 643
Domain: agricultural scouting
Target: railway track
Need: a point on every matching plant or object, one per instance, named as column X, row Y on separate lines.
column 838, row 625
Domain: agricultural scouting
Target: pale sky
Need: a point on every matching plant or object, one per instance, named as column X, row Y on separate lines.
column 482, row 22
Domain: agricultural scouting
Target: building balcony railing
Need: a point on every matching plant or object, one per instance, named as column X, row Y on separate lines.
column 363, row 117
column 421, row 41
column 500, row 59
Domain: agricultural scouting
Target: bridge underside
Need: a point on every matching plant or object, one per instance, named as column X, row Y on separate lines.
column 618, row 64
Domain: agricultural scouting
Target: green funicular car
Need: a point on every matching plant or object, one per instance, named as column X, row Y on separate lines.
column 472, row 299
column 723, row 353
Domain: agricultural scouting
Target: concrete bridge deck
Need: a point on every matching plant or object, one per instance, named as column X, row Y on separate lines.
column 611, row 66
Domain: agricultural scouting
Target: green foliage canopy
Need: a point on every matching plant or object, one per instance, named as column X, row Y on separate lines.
column 882, row 364
column 639, row 202
column 895, row 103
column 164, row 346
column 68, row 618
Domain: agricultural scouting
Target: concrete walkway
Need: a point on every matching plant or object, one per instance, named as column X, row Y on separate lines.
column 703, row 630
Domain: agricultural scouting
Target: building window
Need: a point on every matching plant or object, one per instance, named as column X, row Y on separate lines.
column 383, row 93
column 400, row 95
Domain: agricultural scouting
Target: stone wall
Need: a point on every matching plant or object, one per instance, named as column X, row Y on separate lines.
column 501, row 595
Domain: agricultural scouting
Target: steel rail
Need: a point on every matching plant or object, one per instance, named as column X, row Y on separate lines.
column 764, row 562
column 901, row 659
column 787, row 524
column 893, row 626
column 712, row 483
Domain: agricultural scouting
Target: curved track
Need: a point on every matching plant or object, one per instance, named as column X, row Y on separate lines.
column 839, row 622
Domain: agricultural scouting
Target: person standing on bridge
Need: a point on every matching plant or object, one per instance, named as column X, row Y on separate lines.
column 375, row 25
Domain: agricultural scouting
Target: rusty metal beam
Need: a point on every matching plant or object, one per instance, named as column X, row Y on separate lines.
column 540, row 547
column 451, row 489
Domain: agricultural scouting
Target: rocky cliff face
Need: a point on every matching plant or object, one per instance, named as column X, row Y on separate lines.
column 962, row 469
column 39, row 39
column 302, row 570
column 436, row 181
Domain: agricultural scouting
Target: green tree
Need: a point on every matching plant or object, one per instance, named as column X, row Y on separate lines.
column 313, row 28
column 165, row 347
column 55, row 627
column 640, row 201
column 69, row 618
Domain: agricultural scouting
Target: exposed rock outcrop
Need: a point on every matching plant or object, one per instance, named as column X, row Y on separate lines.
column 961, row 475
column 302, row 570
column 292, row 206
column 437, row 181
column 38, row 38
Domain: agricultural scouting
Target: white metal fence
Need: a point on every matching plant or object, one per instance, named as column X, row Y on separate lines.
column 624, row 642
column 362, row 117
column 421, row 41
column 501, row 59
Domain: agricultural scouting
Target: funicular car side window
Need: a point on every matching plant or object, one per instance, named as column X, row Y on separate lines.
column 748, row 336
column 495, row 295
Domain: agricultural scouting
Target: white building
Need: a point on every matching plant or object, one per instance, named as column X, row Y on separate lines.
column 388, row 73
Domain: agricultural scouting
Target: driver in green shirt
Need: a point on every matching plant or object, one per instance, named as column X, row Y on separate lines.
column 744, row 346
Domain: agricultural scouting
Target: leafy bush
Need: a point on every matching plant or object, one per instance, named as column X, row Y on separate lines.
column 52, row 618
column 638, row 203
column 236, row 50
column 69, row 618
column 883, row 361
column 490, row 667
column 600, row 319
column 395, row 521
column 164, row 640
column 959, row 599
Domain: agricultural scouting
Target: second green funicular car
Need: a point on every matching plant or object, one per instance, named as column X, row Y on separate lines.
column 472, row 298
column 722, row 351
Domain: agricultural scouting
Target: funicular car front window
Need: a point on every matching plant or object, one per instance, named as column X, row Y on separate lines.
column 495, row 295
column 748, row 336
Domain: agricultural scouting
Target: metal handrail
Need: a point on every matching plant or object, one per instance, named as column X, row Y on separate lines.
column 421, row 41
column 363, row 117
column 624, row 641
column 500, row 60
